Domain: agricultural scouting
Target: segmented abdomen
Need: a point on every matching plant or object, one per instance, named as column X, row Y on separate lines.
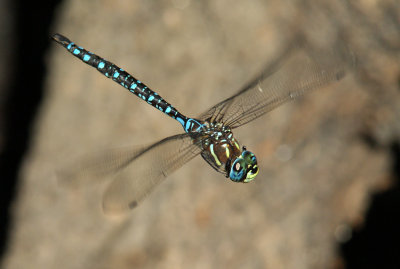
column 120, row 76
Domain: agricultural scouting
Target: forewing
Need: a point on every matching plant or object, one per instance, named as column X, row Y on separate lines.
column 296, row 72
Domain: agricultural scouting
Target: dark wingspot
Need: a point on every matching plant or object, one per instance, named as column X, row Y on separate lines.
column 133, row 204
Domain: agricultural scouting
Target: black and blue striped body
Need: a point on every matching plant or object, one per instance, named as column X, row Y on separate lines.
column 126, row 80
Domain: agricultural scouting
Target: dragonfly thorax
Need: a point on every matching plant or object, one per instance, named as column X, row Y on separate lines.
column 223, row 152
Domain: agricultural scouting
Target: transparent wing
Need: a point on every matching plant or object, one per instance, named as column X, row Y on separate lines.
column 137, row 170
column 146, row 170
column 98, row 166
column 294, row 73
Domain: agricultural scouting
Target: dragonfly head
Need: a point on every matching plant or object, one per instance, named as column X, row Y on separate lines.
column 244, row 168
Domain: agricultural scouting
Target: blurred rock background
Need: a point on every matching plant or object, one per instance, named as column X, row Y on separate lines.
column 327, row 195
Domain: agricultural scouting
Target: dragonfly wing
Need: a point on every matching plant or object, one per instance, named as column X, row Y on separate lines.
column 135, row 170
column 297, row 71
column 147, row 169
column 98, row 166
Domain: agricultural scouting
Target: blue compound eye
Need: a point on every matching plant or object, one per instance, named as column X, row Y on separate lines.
column 244, row 168
column 238, row 170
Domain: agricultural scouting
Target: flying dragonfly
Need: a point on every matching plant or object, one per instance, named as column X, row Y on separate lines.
column 138, row 170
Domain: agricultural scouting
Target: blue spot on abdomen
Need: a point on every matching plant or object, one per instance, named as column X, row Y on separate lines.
column 86, row 57
column 101, row 65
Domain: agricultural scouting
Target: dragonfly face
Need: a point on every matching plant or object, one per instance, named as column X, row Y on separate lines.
column 244, row 168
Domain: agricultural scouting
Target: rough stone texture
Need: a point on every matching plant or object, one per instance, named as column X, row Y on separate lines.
column 195, row 54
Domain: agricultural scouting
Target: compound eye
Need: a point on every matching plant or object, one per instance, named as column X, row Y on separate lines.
column 238, row 170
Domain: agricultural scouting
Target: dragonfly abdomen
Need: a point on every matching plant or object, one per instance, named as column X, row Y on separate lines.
column 122, row 77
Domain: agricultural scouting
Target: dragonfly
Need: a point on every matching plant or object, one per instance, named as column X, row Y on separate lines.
column 137, row 170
